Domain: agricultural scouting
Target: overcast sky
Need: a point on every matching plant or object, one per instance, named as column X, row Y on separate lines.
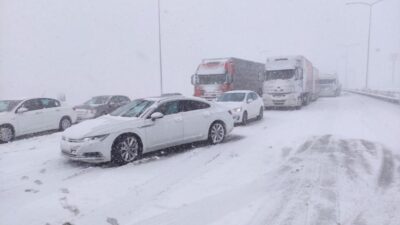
column 90, row 47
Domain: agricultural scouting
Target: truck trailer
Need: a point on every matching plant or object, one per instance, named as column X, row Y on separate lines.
column 330, row 85
column 288, row 82
column 216, row 76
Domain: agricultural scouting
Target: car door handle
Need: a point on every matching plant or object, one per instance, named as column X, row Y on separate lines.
column 57, row 110
column 37, row 113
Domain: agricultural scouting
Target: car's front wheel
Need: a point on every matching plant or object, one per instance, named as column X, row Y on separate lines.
column 126, row 149
column 65, row 123
column 244, row 118
column 261, row 114
column 6, row 134
column 216, row 133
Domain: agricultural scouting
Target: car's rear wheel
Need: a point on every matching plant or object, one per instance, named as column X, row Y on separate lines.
column 261, row 114
column 216, row 133
column 127, row 148
column 6, row 134
column 244, row 119
column 65, row 123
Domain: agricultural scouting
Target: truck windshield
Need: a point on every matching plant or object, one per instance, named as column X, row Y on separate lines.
column 211, row 79
column 231, row 97
column 279, row 74
column 327, row 81
column 133, row 109
column 8, row 105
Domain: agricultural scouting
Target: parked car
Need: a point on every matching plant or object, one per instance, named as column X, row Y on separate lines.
column 146, row 125
column 100, row 105
column 244, row 105
column 26, row 116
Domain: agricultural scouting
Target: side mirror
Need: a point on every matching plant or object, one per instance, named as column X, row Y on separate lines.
column 22, row 110
column 156, row 116
column 250, row 100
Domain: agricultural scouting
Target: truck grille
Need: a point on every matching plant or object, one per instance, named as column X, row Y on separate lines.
column 278, row 102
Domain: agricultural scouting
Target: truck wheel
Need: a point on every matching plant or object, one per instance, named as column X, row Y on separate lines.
column 244, row 119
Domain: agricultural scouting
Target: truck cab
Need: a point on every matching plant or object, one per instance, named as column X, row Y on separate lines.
column 286, row 82
column 212, row 78
column 330, row 85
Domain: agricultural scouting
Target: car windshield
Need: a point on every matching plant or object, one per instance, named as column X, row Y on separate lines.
column 133, row 109
column 232, row 97
column 211, row 79
column 279, row 74
column 8, row 105
column 327, row 81
column 99, row 100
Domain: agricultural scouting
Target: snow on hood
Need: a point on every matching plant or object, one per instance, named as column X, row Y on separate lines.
column 103, row 125
column 231, row 105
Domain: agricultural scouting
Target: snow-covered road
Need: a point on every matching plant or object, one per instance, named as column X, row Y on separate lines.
column 336, row 161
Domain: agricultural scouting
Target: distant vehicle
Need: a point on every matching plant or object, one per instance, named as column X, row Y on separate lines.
column 244, row 105
column 100, row 105
column 216, row 76
column 316, row 89
column 26, row 116
column 330, row 85
column 288, row 82
column 146, row 125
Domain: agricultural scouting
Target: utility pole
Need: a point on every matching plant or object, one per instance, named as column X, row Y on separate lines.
column 370, row 5
column 160, row 47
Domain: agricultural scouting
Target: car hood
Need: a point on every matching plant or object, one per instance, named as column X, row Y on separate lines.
column 103, row 125
column 231, row 105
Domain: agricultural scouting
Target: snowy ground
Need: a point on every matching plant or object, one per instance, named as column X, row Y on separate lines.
column 336, row 161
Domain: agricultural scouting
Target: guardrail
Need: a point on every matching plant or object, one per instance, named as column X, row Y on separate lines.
column 388, row 96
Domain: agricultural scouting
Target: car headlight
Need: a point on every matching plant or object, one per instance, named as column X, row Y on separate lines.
column 239, row 109
column 95, row 138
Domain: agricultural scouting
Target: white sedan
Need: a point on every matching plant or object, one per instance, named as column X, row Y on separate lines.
column 244, row 105
column 146, row 125
column 27, row 116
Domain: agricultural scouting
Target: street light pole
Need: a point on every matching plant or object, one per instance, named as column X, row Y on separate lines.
column 159, row 47
column 370, row 5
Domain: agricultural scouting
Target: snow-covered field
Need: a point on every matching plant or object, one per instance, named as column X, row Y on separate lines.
column 336, row 161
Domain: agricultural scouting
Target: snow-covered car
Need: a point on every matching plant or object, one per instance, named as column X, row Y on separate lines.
column 27, row 116
column 146, row 125
column 100, row 105
column 244, row 105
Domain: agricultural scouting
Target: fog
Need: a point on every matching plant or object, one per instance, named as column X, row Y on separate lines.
column 84, row 48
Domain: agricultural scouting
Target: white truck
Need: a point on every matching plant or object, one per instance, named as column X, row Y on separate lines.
column 288, row 82
column 330, row 85
column 216, row 76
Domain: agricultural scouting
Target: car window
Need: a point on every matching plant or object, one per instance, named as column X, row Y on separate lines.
column 169, row 108
column 248, row 97
column 49, row 103
column 189, row 105
column 32, row 104
column 114, row 100
column 123, row 99
column 254, row 96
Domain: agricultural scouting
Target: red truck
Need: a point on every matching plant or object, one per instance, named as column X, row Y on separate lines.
column 216, row 76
